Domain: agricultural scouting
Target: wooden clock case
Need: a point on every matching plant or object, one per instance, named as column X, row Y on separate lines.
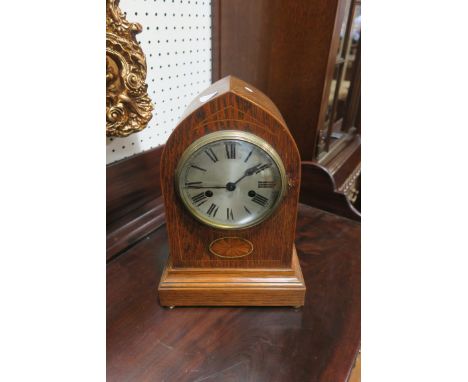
column 271, row 274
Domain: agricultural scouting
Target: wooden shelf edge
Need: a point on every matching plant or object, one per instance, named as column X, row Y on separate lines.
column 134, row 227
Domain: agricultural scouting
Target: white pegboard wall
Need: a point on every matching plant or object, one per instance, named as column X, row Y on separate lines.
column 176, row 40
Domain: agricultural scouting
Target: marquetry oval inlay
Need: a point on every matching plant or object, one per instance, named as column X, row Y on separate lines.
column 231, row 247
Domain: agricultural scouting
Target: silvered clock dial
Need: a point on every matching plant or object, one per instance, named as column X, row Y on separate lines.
column 230, row 179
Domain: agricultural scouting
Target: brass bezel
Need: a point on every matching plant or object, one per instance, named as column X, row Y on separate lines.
column 231, row 135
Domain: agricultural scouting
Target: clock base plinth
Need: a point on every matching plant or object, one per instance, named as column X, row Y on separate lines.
column 232, row 287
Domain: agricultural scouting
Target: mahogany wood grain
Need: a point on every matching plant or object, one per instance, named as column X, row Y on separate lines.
column 318, row 342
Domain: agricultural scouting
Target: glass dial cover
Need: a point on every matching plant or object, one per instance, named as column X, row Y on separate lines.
column 230, row 179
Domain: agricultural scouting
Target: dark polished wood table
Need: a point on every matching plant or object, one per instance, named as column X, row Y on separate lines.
column 318, row 342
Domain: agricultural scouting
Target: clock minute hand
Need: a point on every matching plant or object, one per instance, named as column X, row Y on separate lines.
column 248, row 172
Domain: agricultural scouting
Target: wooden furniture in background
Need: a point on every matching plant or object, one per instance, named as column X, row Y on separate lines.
column 318, row 342
column 268, row 275
column 134, row 205
column 305, row 56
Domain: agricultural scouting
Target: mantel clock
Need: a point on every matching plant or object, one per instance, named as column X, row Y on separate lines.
column 230, row 176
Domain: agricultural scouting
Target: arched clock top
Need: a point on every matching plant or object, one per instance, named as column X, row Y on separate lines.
column 230, row 175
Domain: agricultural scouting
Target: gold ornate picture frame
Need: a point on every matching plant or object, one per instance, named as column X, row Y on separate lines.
column 128, row 106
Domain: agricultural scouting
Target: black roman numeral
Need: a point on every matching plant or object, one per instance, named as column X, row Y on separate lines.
column 247, row 210
column 229, row 214
column 199, row 198
column 266, row 184
column 192, row 184
column 262, row 167
column 230, row 150
column 212, row 210
column 198, row 168
column 259, row 199
column 248, row 156
column 211, row 155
